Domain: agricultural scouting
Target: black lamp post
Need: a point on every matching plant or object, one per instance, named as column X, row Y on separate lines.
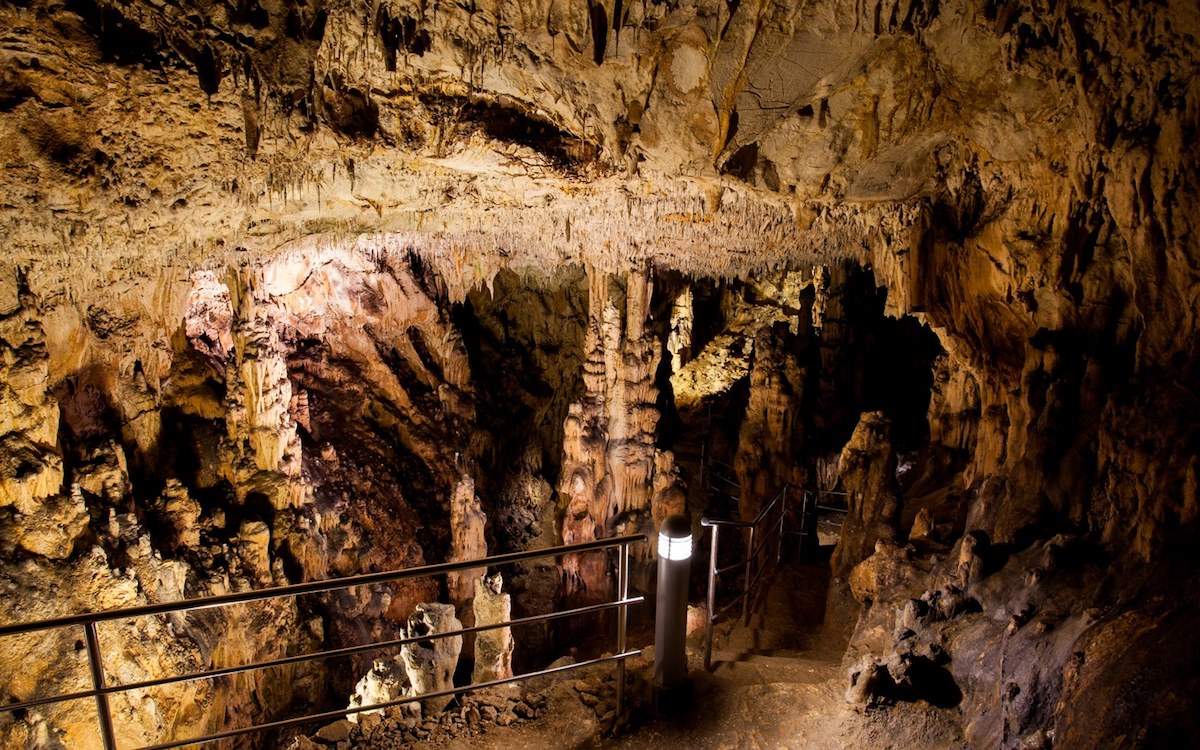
column 670, row 618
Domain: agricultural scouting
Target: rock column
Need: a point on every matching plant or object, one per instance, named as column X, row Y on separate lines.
column 493, row 648
column 868, row 471
column 614, row 479
column 430, row 664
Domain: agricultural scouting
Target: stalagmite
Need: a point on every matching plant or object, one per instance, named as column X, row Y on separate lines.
column 493, row 648
column 770, row 441
column 387, row 681
column 430, row 664
column 262, row 446
column 30, row 465
column 679, row 342
column 868, row 472
column 254, row 539
column 182, row 513
column 468, row 542
column 609, row 482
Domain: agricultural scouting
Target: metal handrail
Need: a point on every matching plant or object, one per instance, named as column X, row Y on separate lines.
column 812, row 508
column 313, row 587
column 753, row 571
column 101, row 690
column 746, row 564
column 706, row 521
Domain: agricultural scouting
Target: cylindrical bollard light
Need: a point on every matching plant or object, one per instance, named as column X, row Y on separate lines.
column 670, row 617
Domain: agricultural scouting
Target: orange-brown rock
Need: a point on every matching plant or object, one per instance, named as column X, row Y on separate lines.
column 614, row 479
column 868, row 472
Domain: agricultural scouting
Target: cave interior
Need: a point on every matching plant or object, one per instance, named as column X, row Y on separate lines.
column 299, row 290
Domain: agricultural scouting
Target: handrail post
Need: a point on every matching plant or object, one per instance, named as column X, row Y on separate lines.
column 712, row 598
column 746, row 580
column 622, row 615
column 97, row 668
column 782, row 515
column 806, row 529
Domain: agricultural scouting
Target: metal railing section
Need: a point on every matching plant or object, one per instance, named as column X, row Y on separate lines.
column 768, row 524
column 814, row 504
column 101, row 689
column 769, row 528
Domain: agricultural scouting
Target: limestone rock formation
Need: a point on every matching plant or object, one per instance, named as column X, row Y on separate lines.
column 679, row 342
column 613, row 479
column 53, row 529
column 253, row 547
column 868, row 470
column 263, row 444
column 467, row 542
column 181, row 512
column 430, row 664
column 387, row 681
column 265, row 263
column 771, row 437
column 30, row 464
column 493, row 648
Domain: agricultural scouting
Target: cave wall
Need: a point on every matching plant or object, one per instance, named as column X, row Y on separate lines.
column 295, row 421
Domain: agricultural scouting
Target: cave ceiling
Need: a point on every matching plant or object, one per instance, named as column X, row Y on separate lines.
column 712, row 136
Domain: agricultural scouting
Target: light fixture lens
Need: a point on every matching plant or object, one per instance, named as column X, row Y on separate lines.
column 674, row 548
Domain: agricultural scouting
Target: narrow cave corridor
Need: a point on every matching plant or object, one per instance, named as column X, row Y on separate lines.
column 616, row 374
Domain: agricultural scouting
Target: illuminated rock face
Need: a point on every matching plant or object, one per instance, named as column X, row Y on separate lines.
column 770, row 440
column 387, row 681
column 430, row 664
column 239, row 245
column 493, row 648
column 32, row 467
column 868, row 471
column 467, row 542
column 614, row 479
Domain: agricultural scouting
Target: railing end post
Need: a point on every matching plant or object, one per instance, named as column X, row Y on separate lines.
column 622, row 624
column 96, row 665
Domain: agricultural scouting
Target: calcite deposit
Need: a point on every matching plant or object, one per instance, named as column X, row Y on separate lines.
column 430, row 663
column 868, row 468
column 296, row 290
column 614, row 478
column 493, row 648
column 467, row 542
column 423, row 666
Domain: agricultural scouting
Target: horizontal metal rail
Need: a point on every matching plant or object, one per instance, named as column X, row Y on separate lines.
column 758, row 518
column 313, row 587
column 728, row 481
column 316, row 655
column 727, row 568
column 101, row 690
